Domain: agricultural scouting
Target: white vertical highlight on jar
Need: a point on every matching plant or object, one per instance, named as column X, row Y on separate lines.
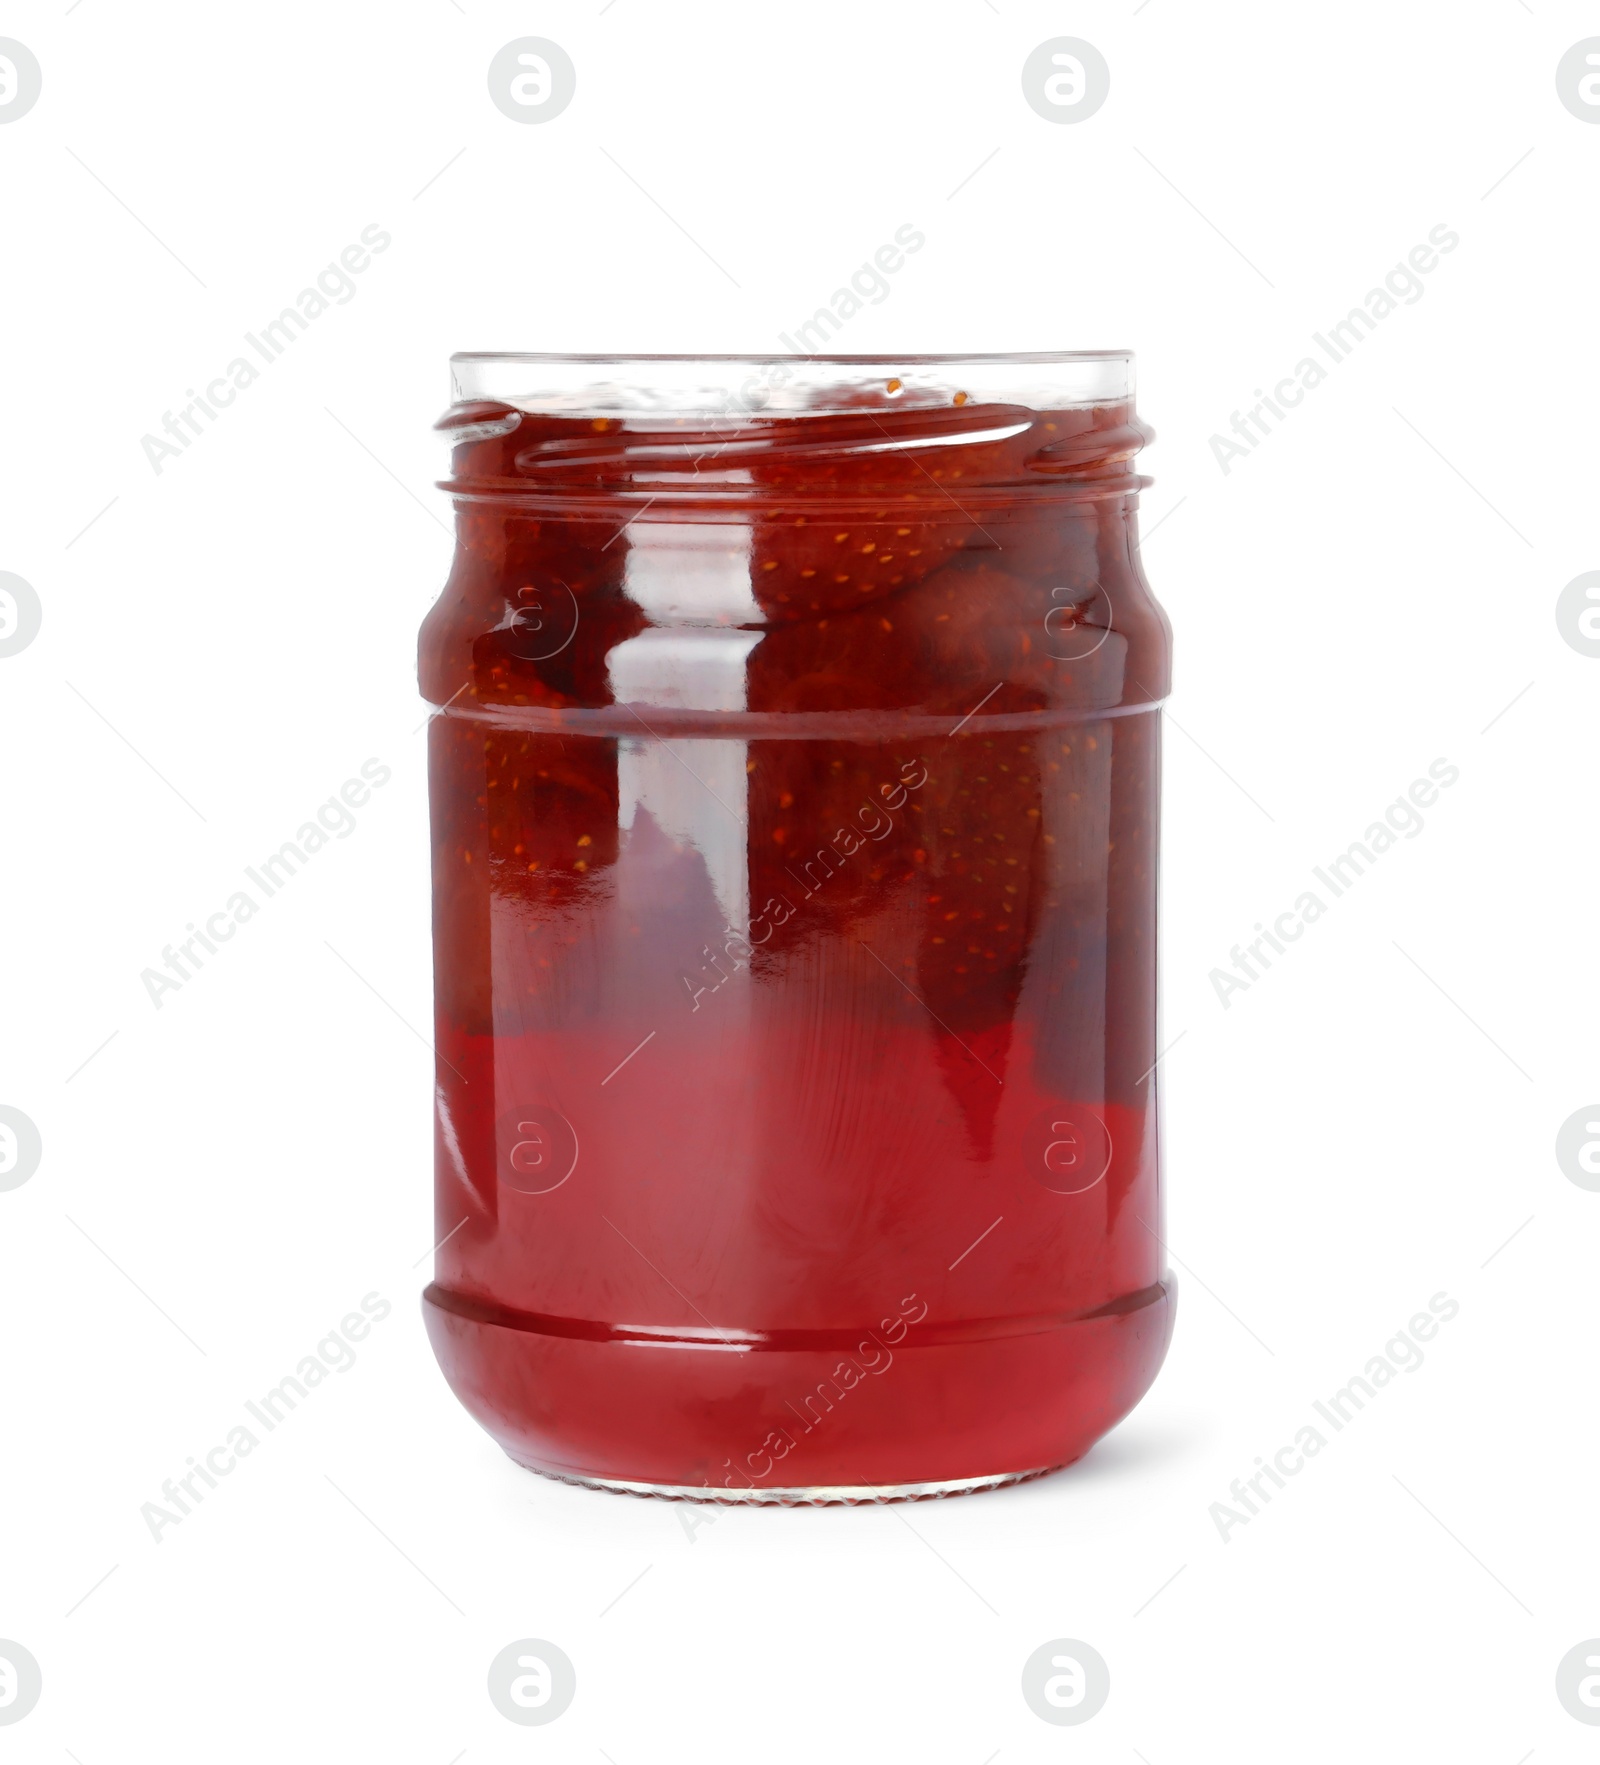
column 694, row 580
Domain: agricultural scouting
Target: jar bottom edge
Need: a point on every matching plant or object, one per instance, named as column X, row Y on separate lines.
column 815, row 1496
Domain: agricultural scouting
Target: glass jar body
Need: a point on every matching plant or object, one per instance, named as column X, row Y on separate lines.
column 794, row 840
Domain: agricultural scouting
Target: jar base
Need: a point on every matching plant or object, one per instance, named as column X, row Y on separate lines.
column 962, row 1406
column 825, row 1495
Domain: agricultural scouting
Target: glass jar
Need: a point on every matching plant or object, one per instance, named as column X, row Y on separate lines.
column 794, row 784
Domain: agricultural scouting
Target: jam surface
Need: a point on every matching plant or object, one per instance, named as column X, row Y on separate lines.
column 794, row 793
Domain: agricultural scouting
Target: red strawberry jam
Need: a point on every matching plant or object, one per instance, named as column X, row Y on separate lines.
column 794, row 790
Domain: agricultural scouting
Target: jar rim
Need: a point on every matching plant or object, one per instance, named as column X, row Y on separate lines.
column 735, row 384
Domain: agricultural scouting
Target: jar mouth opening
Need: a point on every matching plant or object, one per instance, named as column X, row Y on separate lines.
column 791, row 385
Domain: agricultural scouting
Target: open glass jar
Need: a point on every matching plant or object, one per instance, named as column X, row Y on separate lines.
column 794, row 787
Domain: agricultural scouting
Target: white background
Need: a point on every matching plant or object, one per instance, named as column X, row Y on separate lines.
column 224, row 643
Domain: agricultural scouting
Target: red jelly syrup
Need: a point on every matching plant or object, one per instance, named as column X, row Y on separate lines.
column 794, row 781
